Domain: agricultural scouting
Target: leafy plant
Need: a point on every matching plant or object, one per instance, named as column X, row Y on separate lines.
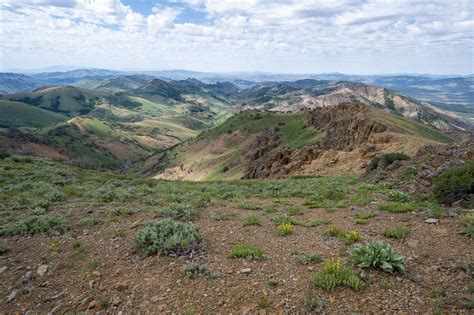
column 334, row 274
column 295, row 210
column 285, row 229
column 378, row 255
column 169, row 237
column 281, row 219
column 312, row 305
column 396, row 232
column 396, row 207
column 223, row 216
column 95, row 264
column 194, row 270
column 263, row 302
column 454, row 184
column 249, row 252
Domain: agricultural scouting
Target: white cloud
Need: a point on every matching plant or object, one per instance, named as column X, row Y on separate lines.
column 292, row 36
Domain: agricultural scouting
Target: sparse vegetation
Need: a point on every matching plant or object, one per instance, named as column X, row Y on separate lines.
column 378, row 255
column 396, row 232
column 37, row 224
column 4, row 249
column 348, row 237
column 252, row 219
column 179, row 211
column 467, row 222
column 195, row 270
column 397, row 207
column 249, row 252
column 306, row 259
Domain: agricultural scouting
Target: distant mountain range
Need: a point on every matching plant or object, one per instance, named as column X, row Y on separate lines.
column 452, row 93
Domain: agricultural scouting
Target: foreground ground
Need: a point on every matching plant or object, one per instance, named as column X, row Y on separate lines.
column 89, row 261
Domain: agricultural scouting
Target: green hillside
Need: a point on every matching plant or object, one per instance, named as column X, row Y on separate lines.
column 17, row 114
column 67, row 100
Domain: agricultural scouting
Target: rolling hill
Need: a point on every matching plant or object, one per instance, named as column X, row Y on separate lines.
column 17, row 114
column 255, row 144
column 14, row 83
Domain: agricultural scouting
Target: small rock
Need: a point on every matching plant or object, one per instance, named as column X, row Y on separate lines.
column 93, row 304
column 246, row 271
column 11, row 296
column 457, row 204
column 155, row 298
column 28, row 276
column 3, row 269
column 121, row 286
column 116, row 301
column 42, row 269
column 431, row 220
column 452, row 214
column 96, row 273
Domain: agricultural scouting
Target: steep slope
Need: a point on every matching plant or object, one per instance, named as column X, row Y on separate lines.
column 270, row 144
column 310, row 94
column 16, row 114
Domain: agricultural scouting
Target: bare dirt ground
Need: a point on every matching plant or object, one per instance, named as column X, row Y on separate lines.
column 439, row 267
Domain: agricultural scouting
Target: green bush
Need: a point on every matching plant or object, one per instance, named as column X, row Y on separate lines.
column 169, row 237
column 456, row 183
column 467, row 222
column 396, row 207
column 195, row 270
column 398, row 196
column 249, row 252
column 335, row 274
column 396, row 232
column 36, row 224
column 179, row 211
column 387, row 159
column 378, row 255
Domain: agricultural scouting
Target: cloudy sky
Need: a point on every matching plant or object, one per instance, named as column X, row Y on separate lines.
column 300, row 36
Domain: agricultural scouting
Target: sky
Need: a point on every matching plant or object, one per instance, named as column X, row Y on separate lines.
column 284, row 36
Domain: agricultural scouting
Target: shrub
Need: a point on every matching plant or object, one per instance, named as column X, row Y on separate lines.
column 121, row 212
column 396, row 232
column 295, row 210
column 309, row 258
column 252, row 219
column 313, row 305
column 179, row 211
column 169, row 237
column 195, row 270
column 378, row 255
column 285, row 229
column 335, row 274
column 223, row 216
column 281, row 219
column 456, row 183
column 467, row 222
column 4, row 249
column 396, row 207
column 387, row 159
column 365, row 215
column 398, row 196
column 37, row 224
column 249, row 252
column 263, row 302
column 249, row 206
column 88, row 222
column 348, row 237
column 109, row 193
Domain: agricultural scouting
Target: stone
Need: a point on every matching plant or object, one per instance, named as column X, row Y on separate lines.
column 116, row 301
column 11, row 296
column 246, row 271
column 42, row 269
column 93, row 304
column 3, row 269
column 121, row 286
column 96, row 273
column 431, row 220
